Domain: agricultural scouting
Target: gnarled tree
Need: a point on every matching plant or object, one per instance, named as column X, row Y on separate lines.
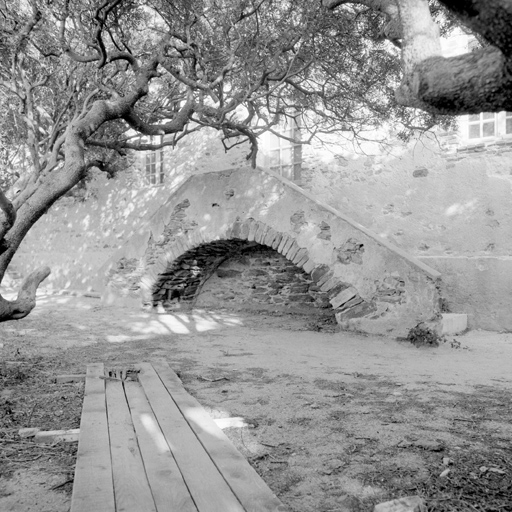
column 83, row 80
column 89, row 77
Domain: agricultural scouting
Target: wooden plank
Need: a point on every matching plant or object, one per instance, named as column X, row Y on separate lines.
column 168, row 488
column 92, row 488
column 55, row 436
column 131, row 487
column 248, row 486
column 206, row 485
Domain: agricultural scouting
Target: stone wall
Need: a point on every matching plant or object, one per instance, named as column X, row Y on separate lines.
column 450, row 207
column 240, row 274
column 371, row 285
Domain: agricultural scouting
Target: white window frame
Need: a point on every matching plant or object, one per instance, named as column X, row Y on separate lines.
column 284, row 156
column 482, row 122
column 502, row 127
column 153, row 163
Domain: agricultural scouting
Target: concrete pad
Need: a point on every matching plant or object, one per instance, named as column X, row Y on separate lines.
column 454, row 323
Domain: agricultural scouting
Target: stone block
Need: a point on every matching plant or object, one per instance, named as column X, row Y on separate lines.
column 301, row 253
column 244, row 229
column 277, row 241
column 329, row 283
column 252, row 230
column 358, row 308
column 196, row 238
column 234, row 231
column 287, row 245
column 308, row 266
column 147, row 282
column 160, row 265
column 453, row 323
column 170, row 255
column 261, row 231
column 270, row 236
column 222, row 273
column 292, row 251
column 303, row 259
column 342, row 297
column 179, row 247
column 405, row 504
column 300, row 297
column 319, row 272
column 284, row 240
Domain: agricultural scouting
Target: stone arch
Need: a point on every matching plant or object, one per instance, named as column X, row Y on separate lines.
column 192, row 257
column 371, row 285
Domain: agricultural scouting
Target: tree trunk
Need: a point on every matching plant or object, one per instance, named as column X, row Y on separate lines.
column 40, row 195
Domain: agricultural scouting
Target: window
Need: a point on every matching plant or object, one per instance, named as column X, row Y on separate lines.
column 481, row 126
column 285, row 156
column 154, row 171
column 508, row 123
column 487, row 126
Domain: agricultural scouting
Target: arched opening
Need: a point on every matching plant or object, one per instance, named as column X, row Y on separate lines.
column 239, row 274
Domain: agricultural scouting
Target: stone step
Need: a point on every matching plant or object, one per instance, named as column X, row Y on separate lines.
column 454, row 323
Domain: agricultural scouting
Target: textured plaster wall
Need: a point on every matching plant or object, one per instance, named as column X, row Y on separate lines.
column 453, row 211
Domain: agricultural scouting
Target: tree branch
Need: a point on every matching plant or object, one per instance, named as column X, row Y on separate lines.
column 9, row 212
column 26, row 301
column 471, row 83
column 492, row 19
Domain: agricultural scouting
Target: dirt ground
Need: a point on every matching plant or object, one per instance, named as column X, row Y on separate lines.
column 337, row 421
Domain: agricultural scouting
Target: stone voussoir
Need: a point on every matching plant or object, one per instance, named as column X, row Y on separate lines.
column 329, row 284
column 234, row 230
column 180, row 245
column 343, row 297
column 147, row 282
column 160, row 264
column 244, row 229
column 252, row 231
column 309, row 265
column 270, row 236
column 325, row 277
column 300, row 257
column 282, row 243
column 292, row 251
column 196, row 238
column 277, row 240
column 287, row 245
column 319, row 273
column 261, row 231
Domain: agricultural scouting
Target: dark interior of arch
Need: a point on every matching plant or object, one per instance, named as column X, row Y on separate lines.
column 238, row 273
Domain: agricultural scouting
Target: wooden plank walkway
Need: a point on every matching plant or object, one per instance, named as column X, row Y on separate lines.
column 146, row 445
